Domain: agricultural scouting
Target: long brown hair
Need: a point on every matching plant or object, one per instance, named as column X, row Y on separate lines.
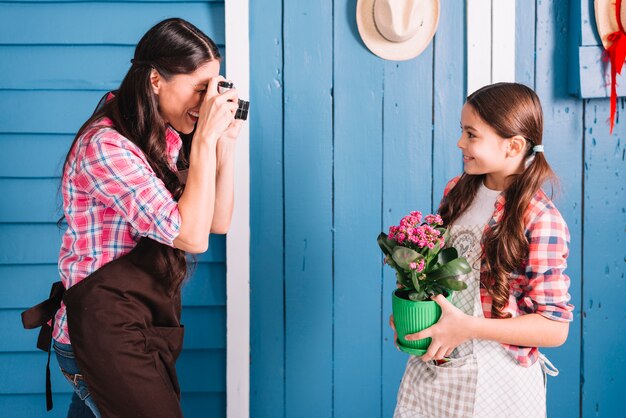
column 510, row 109
column 173, row 46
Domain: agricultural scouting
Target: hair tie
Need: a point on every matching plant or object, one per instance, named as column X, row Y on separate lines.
column 537, row 148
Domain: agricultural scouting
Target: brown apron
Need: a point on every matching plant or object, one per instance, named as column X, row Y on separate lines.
column 126, row 335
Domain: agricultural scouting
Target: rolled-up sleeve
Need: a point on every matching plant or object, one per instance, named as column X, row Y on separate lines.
column 114, row 171
column 547, row 290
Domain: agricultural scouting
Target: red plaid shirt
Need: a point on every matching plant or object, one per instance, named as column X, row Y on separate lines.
column 111, row 198
column 539, row 285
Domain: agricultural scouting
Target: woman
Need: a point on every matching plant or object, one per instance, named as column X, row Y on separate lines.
column 131, row 219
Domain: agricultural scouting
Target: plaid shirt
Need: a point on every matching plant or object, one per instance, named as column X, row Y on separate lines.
column 111, row 198
column 539, row 285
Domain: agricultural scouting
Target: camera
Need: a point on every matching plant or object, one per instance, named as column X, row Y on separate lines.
column 243, row 105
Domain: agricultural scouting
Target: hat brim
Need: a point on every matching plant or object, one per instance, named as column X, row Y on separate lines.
column 606, row 21
column 396, row 51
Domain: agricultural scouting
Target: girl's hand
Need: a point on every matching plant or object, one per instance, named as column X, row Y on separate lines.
column 395, row 333
column 217, row 111
column 449, row 332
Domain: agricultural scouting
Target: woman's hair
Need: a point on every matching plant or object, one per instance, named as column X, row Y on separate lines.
column 510, row 109
column 173, row 46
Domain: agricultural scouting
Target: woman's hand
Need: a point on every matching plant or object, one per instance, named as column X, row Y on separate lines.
column 217, row 112
column 449, row 332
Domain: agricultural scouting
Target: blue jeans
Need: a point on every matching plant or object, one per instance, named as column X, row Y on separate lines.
column 83, row 405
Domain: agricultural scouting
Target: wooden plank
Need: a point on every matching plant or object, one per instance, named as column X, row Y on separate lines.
column 308, row 208
column 34, row 405
column 44, row 112
column 604, row 360
column 24, row 373
column 206, row 287
column 197, row 321
column 478, row 44
column 27, row 156
column 588, row 30
column 65, row 67
column 563, row 141
column 47, row 23
column 358, row 150
column 407, row 178
column 32, row 200
column 503, row 41
column 448, row 100
column 525, row 43
column 40, row 244
column 595, row 74
column 267, row 321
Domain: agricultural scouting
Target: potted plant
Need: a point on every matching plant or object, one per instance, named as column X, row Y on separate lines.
column 425, row 266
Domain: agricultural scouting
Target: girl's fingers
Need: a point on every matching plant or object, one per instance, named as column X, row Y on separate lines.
column 441, row 353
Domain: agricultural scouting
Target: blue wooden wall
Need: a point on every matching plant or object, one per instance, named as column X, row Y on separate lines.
column 56, row 60
column 344, row 143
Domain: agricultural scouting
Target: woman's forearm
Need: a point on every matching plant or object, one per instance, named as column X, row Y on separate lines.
column 532, row 330
column 196, row 204
column 224, row 188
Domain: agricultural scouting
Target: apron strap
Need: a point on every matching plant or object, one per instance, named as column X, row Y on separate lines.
column 42, row 315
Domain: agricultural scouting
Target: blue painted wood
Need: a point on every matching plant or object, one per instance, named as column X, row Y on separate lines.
column 100, row 23
column 587, row 22
column 206, row 287
column 32, row 200
column 525, row 42
column 205, row 328
column 308, row 221
column 32, row 406
column 65, row 67
column 44, row 112
column 449, row 96
column 604, row 359
column 595, row 74
column 358, row 173
column 26, row 155
column 267, row 279
column 563, row 141
column 40, row 243
column 407, row 180
column 24, row 373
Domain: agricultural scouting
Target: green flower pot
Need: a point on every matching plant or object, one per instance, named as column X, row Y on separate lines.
column 411, row 317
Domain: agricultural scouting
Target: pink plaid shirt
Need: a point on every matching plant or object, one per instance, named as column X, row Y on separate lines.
column 539, row 285
column 111, row 198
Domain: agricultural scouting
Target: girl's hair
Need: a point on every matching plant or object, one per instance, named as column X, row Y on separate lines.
column 510, row 109
column 173, row 46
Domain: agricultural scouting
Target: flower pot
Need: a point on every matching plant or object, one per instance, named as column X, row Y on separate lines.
column 411, row 317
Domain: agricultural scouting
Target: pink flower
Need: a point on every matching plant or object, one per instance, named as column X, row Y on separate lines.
column 434, row 219
column 418, row 215
column 400, row 237
column 413, row 266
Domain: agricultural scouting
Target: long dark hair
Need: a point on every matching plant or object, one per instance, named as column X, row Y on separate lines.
column 173, row 46
column 510, row 109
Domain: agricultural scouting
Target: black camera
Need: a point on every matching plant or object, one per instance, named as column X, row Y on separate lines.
column 243, row 105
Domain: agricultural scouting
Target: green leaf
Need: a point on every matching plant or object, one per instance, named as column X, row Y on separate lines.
column 404, row 256
column 383, row 243
column 452, row 284
column 403, row 280
column 447, row 254
column 453, row 268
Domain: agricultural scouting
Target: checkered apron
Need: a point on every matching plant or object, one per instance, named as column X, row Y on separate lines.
column 481, row 379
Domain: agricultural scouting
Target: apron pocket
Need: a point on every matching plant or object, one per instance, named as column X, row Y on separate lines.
column 165, row 344
column 444, row 391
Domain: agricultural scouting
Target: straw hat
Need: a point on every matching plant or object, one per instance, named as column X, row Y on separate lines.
column 606, row 20
column 397, row 29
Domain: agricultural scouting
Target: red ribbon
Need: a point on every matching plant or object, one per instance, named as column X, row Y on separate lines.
column 617, row 55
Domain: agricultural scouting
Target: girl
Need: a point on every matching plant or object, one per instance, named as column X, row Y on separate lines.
column 131, row 219
column 484, row 360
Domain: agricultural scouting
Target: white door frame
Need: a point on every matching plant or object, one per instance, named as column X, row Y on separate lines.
column 238, row 239
column 490, row 42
